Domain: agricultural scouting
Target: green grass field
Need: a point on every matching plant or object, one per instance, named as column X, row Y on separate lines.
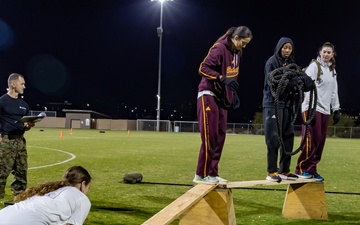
column 168, row 161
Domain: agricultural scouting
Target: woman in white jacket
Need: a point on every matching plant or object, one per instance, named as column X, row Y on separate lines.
column 322, row 70
column 55, row 203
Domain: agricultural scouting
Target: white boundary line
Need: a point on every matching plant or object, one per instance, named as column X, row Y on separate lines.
column 54, row 164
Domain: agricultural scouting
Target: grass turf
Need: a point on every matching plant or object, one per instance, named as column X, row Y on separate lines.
column 168, row 161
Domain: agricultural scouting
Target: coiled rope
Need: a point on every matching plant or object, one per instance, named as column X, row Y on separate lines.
column 278, row 83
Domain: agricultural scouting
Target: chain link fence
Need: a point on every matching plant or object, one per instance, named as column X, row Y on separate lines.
column 258, row 129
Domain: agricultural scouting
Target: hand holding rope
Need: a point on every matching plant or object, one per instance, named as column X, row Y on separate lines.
column 289, row 83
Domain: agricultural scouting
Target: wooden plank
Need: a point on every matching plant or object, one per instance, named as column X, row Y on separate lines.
column 181, row 204
column 251, row 183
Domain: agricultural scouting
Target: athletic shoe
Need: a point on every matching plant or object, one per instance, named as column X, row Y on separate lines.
column 318, row 177
column 305, row 175
column 196, row 178
column 205, row 180
column 288, row 176
column 274, row 177
column 221, row 180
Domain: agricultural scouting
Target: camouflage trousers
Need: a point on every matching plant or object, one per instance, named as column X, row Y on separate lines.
column 13, row 159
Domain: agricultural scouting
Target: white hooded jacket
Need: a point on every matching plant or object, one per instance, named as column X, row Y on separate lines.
column 327, row 88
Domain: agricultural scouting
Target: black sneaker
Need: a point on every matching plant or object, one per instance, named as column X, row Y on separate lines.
column 288, row 176
column 274, row 177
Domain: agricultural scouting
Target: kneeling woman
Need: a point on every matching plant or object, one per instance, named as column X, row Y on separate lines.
column 58, row 202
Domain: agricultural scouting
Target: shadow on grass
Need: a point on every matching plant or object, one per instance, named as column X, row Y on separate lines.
column 350, row 218
column 245, row 188
column 170, row 184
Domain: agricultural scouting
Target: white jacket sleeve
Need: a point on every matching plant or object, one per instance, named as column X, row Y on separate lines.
column 335, row 103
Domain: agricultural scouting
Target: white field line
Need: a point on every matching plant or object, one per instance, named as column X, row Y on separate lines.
column 54, row 164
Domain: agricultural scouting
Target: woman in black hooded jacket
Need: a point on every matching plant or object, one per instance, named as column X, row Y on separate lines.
column 283, row 56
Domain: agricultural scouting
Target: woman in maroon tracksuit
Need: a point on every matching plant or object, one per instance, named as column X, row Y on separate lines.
column 217, row 94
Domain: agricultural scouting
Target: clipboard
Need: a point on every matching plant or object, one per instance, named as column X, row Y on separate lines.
column 33, row 119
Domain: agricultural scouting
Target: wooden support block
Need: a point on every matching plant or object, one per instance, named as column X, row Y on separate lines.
column 305, row 201
column 216, row 208
column 180, row 205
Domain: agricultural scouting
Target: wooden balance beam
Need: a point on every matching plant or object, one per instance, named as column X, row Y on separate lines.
column 213, row 204
column 254, row 183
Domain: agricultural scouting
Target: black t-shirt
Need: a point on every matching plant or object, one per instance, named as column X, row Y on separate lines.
column 11, row 110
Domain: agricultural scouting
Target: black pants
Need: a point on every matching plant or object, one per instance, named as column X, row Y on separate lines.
column 272, row 139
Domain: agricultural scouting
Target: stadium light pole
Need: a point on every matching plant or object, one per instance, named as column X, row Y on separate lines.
column 159, row 31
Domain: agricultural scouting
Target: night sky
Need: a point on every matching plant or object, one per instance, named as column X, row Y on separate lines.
column 102, row 55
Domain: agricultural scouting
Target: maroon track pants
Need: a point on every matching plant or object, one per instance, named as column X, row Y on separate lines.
column 314, row 144
column 212, row 125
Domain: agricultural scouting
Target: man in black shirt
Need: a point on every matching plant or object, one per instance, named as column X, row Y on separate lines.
column 13, row 154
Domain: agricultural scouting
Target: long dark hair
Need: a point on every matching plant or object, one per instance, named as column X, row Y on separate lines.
column 332, row 60
column 242, row 32
column 72, row 176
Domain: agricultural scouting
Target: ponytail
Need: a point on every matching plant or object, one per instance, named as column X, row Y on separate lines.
column 241, row 31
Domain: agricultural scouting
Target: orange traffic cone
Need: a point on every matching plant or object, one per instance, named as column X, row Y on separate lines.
column 61, row 134
column 128, row 132
column 71, row 130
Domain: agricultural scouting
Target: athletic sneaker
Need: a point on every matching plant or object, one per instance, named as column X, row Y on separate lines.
column 273, row 177
column 305, row 175
column 221, row 180
column 205, row 180
column 288, row 176
column 318, row 177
